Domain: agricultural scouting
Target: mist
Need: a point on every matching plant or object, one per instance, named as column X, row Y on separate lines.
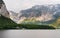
column 17, row 5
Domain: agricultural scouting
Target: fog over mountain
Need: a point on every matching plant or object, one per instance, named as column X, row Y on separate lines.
column 17, row 5
column 42, row 13
column 39, row 12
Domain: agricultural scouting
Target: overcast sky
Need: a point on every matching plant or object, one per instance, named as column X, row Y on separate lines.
column 17, row 5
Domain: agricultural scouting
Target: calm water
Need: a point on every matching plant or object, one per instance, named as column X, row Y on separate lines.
column 30, row 34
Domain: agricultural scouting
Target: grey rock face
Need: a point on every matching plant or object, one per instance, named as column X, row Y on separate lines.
column 41, row 12
column 3, row 10
column 13, row 16
column 1, row 2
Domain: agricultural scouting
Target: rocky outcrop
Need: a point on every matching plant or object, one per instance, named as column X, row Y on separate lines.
column 3, row 10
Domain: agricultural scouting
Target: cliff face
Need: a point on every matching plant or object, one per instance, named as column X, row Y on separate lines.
column 1, row 2
column 3, row 10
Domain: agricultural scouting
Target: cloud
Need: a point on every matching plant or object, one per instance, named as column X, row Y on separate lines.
column 17, row 5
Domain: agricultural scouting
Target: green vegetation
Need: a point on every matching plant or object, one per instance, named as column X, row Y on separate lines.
column 36, row 26
column 56, row 24
column 6, row 23
column 29, row 20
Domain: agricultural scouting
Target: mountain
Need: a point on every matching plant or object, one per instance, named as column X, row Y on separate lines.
column 3, row 10
column 42, row 13
column 6, row 23
column 8, row 18
column 13, row 16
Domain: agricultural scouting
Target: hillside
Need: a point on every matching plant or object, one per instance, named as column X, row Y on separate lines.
column 36, row 17
column 56, row 23
column 6, row 23
column 42, row 13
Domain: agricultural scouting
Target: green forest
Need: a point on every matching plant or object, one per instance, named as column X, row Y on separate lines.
column 6, row 23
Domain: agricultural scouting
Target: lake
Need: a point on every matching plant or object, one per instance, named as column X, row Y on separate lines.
column 30, row 33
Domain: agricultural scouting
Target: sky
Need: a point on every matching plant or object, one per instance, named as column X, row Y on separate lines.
column 17, row 5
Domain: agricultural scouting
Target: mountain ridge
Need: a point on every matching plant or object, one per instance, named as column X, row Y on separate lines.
column 49, row 12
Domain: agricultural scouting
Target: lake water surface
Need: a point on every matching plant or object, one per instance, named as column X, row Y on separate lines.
column 30, row 34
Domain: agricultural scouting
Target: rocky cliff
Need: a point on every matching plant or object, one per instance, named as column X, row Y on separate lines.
column 3, row 10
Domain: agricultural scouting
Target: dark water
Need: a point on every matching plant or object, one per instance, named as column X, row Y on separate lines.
column 30, row 34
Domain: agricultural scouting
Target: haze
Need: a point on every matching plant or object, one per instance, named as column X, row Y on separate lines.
column 17, row 5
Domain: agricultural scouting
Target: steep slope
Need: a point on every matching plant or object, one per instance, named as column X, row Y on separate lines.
column 3, row 10
column 42, row 13
column 56, row 23
column 6, row 22
column 14, row 16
